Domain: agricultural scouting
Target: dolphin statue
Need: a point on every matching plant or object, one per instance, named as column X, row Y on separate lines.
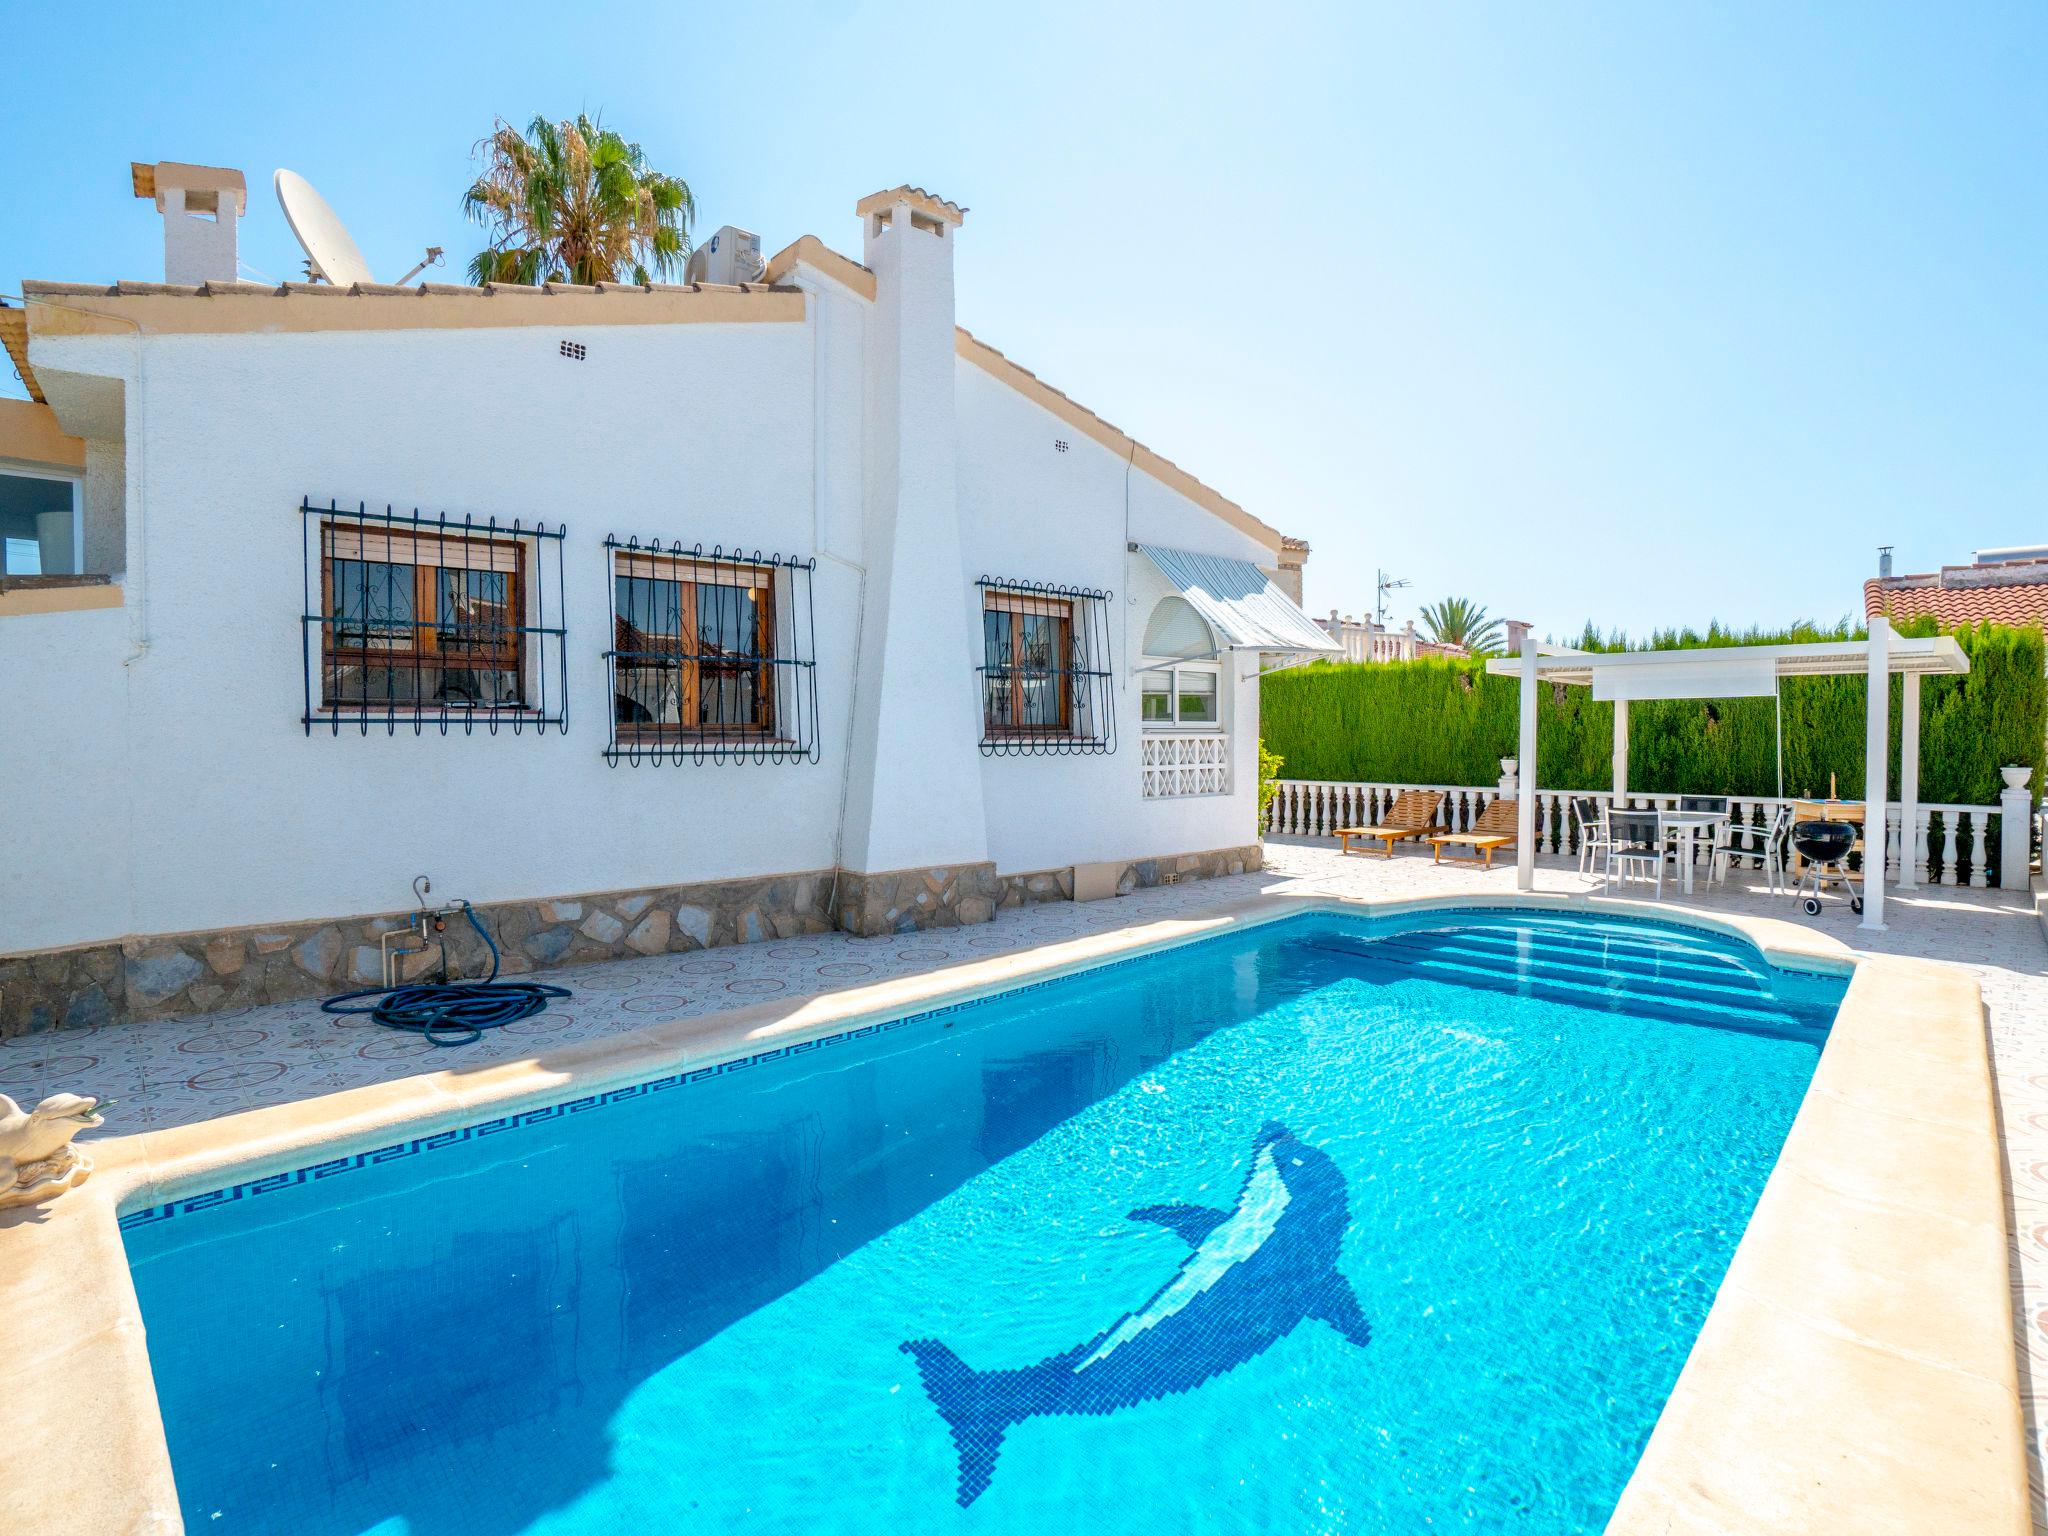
column 1252, row 1275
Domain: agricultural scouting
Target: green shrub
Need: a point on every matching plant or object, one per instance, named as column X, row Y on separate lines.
column 1449, row 722
column 1269, row 785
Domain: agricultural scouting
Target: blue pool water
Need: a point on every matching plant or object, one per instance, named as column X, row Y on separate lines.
column 1327, row 1226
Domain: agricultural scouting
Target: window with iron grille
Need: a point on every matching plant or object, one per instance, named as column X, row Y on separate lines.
column 713, row 656
column 1045, row 681
column 429, row 621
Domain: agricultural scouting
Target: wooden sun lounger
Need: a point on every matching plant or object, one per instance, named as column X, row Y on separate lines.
column 1495, row 829
column 1413, row 815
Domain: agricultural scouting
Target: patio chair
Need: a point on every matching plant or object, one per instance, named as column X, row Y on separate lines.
column 1412, row 814
column 1494, row 830
column 1635, row 841
column 1592, row 822
column 1776, row 834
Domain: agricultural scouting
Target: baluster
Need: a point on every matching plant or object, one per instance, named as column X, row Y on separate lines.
column 1919, row 846
column 1555, row 835
column 1980, row 823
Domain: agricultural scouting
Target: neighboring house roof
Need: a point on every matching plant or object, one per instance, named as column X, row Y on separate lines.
column 14, row 336
column 2011, row 592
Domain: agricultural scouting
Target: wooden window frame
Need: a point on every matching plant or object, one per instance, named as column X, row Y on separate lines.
column 1019, row 606
column 689, row 574
column 423, row 644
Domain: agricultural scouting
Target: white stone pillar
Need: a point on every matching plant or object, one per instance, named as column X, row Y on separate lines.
column 2015, row 817
column 1909, row 778
column 1876, row 749
column 1525, row 798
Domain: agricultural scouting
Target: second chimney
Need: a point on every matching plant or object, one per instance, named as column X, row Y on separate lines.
column 202, row 205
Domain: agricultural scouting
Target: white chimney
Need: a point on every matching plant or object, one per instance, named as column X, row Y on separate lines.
column 202, row 207
column 907, row 745
column 1884, row 561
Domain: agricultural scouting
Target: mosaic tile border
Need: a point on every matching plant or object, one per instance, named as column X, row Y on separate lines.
column 157, row 1214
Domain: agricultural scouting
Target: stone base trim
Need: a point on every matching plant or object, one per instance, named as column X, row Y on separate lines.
column 166, row 976
column 1023, row 890
column 872, row 903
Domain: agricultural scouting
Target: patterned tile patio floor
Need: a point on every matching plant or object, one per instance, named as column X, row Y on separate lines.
column 178, row 1071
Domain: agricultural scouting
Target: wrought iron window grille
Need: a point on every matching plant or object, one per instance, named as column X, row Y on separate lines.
column 430, row 623
column 713, row 656
column 1045, row 676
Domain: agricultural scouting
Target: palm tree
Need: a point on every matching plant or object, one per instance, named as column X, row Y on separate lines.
column 574, row 202
column 1460, row 621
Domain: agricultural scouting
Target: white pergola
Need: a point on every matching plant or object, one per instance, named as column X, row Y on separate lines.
column 1749, row 671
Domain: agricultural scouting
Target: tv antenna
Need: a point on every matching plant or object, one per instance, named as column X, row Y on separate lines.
column 331, row 253
column 1382, row 586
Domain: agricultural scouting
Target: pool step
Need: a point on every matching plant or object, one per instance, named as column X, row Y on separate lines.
column 1734, row 1000
column 1677, row 972
column 1612, row 944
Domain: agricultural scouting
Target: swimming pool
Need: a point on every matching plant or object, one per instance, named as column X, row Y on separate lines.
column 1330, row 1224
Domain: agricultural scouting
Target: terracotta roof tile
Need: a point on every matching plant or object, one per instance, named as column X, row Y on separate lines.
column 2024, row 602
column 14, row 336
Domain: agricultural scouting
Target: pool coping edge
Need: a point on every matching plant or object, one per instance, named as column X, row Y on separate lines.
column 1915, row 1033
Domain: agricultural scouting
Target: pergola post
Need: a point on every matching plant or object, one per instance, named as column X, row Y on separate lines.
column 1525, row 790
column 1876, row 749
column 1909, row 779
column 1620, row 753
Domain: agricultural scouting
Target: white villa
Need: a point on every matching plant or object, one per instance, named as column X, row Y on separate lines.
column 646, row 618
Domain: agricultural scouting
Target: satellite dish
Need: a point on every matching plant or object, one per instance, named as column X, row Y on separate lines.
column 330, row 253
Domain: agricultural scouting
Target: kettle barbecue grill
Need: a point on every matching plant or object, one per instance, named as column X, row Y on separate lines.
column 1824, row 847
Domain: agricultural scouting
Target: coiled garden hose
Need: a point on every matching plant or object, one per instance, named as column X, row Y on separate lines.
column 452, row 1012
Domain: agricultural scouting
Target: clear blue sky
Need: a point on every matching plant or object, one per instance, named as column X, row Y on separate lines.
column 1612, row 312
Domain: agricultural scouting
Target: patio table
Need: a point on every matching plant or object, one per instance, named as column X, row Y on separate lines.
column 1687, row 824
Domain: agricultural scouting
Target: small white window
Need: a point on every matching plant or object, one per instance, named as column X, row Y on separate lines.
column 1183, row 695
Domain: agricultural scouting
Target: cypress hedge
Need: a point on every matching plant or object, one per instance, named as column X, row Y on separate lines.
column 1449, row 722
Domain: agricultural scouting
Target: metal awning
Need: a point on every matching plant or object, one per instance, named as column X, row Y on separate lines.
column 1240, row 602
column 1722, row 668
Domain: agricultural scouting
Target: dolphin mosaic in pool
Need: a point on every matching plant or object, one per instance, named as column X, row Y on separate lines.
column 1254, row 1274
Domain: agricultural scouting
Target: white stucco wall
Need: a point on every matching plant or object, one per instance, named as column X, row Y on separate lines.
column 170, row 787
column 1030, row 512
column 64, row 758
column 687, row 432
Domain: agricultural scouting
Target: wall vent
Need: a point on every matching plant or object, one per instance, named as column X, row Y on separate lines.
column 575, row 351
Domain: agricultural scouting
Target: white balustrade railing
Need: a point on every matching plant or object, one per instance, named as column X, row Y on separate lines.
column 1950, row 846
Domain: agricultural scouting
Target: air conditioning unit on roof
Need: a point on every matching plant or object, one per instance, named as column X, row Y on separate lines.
column 729, row 256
